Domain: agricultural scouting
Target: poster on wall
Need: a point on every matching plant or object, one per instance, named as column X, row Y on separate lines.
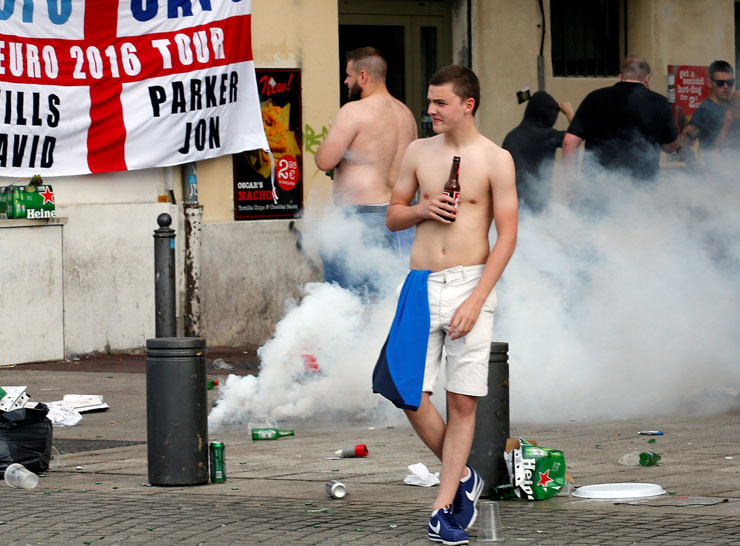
column 92, row 86
column 687, row 88
column 256, row 194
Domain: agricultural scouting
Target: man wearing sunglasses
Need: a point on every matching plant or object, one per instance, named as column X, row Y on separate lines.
column 706, row 123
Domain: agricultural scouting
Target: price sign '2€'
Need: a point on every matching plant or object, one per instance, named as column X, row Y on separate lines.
column 287, row 172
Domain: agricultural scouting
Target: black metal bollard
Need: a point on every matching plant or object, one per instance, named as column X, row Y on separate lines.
column 176, row 411
column 164, row 278
column 492, row 422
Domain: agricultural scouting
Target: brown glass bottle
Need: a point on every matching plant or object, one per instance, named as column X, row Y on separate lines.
column 452, row 186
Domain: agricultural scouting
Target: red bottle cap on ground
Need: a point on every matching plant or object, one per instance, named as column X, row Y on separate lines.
column 361, row 450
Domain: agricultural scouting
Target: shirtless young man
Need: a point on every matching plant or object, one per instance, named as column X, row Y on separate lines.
column 464, row 270
column 364, row 147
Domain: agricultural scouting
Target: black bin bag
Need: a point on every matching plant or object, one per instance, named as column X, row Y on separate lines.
column 25, row 438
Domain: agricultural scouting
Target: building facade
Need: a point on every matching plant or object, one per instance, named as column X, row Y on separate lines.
column 85, row 282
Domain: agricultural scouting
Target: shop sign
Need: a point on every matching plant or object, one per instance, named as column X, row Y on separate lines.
column 259, row 191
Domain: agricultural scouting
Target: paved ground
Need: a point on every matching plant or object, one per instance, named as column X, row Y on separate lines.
column 171, row 517
column 275, row 490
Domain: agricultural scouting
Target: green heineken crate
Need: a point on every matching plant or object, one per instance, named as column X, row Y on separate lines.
column 13, row 202
column 3, row 202
column 27, row 201
column 6, row 201
column 536, row 473
column 39, row 201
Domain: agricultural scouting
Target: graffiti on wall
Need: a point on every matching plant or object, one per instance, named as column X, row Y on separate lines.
column 313, row 139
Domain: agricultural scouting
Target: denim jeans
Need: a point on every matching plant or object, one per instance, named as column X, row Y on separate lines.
column 375, row 233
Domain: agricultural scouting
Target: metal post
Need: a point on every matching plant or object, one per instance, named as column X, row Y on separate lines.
column 176, row 411
column 164, row 278
column 193, row 217
column 191, row 311
column 492, row 422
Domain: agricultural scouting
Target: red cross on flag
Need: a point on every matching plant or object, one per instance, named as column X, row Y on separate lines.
column 91, row 86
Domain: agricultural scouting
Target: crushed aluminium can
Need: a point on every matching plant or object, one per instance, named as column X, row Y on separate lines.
column 336, row 489
column 218, row 468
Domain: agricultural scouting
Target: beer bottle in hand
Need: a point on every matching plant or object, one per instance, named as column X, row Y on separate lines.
column 452, row 186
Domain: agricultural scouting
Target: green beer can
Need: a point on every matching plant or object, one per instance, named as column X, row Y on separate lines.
column 218, row 468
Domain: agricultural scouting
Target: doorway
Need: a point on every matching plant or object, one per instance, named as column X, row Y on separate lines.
column 413, row 36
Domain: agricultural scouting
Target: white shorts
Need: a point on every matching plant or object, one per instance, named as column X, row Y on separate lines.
column 467, row 357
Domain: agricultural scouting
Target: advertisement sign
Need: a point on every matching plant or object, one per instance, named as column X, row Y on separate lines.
column 687, row 88
column 257, row 193
column 90, row 86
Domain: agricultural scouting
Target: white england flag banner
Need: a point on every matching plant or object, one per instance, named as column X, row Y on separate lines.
column 114, row 85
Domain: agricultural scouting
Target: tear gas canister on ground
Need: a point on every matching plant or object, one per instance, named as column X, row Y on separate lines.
column 360, row 450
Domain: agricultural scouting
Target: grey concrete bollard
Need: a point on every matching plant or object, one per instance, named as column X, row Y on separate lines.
column 176, row 411
column 492, row 422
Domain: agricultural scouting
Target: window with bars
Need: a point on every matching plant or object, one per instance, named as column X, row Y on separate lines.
column 588, row 37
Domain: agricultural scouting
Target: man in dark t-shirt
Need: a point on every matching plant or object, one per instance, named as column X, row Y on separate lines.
column 728, row 139
column 706, row 123
column 625, row 126
column 532, row 145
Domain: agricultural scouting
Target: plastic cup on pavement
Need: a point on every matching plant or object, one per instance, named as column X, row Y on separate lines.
column 17, row 475
column 489, row 522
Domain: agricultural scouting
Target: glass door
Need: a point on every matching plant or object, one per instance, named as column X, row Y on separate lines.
column 415, row 45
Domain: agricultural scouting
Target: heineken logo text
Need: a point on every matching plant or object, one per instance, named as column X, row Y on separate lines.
column 33, row 213
column 528, row 465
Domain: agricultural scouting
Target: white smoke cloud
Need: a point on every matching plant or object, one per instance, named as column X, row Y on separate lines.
column 319, row 363
column 622, row 303
column 626, row 303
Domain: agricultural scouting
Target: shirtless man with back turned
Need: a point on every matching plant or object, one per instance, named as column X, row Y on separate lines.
column 364, row 147
column 463, row 272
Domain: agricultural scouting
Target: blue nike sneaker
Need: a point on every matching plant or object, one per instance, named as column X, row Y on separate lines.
column 443, row 528
column 468, row 492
